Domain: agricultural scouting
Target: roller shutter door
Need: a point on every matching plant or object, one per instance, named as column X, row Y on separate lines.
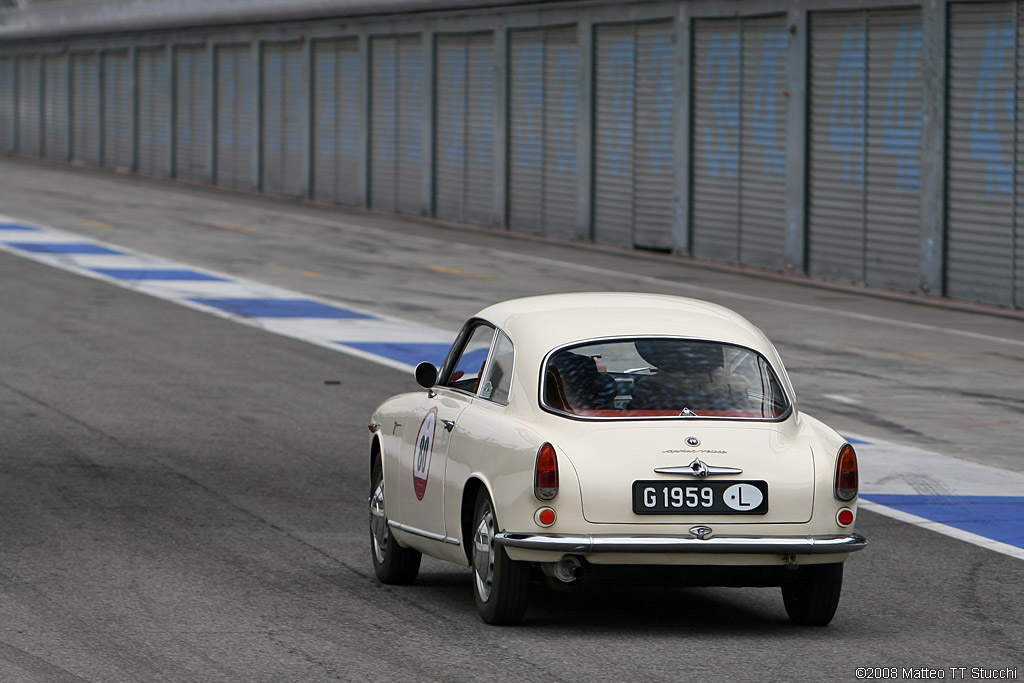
column 450, row 136
column 384, row 124
column 892, row 226
column 396, row 174
column 1018, row 270
column 980, row 218
column 865, row 128
column 464, row 183
column 654, row 176
column 29, row 106
column 236, row 117
column 633, row 178
column 716, row 140
column 285, row 119
column 154, row 102
column 615, row 48
column 336, row 138
column 118, row 111
column 7, row 99
column 55, row 104
column 85, row 116
column 480, row 122
column 192, row 113
column 838, row 82
column 765, row 43
column 544, row 98
column 561, row 99
column 410, row 124
column 526, row 132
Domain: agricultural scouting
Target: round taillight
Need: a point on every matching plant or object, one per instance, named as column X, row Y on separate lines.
column 845, row 517
column 545, row 477
column 846, row 473
column 544, row 517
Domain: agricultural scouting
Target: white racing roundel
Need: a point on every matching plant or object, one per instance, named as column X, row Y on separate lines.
column 422, row 450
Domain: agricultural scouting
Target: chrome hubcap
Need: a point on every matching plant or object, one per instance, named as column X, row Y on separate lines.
column 378, row 524
column 483, row 554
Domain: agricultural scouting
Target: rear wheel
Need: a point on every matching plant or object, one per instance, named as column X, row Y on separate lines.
column 392, row 563
column 812, row 597
column 500, row 585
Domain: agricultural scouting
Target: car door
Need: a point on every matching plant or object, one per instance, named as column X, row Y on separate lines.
column 427, row 437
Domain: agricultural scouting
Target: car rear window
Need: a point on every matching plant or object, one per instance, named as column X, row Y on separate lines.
column 662, row 378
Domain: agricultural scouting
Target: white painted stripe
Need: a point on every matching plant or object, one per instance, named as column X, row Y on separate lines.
column 945, row 530
column 838, row 398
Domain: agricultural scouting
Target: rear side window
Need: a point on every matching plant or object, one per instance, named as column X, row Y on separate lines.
column 662, row 378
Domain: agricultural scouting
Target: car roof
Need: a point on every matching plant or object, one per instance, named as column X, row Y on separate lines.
column 557, row 319
column 540, row 324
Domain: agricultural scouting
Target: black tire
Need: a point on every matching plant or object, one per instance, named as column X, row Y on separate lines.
column 500, row 585
column 392, row 563
column 812, row 597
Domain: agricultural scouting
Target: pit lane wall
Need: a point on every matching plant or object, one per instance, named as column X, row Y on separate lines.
column 850, row 140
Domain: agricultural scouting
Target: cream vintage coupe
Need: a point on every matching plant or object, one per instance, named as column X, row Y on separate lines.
column 569, row 432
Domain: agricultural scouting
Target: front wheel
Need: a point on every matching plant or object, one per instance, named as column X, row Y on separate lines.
column 392, row 563
column 812, row 597
column 500, row 585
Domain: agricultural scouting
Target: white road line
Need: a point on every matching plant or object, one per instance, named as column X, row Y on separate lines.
column 945, row 530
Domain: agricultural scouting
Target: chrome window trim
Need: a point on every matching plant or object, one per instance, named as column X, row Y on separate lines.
column 786, row 414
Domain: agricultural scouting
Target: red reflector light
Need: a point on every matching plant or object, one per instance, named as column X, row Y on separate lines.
column 545, row 480
column 846, row 473
column 546, row 517
column 845, row 517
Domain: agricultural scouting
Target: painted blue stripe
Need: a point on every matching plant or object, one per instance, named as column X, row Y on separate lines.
column 1000, row 518
column 280, row 308
column 157, row 274
column 62, row 248
column 410, row 353
column 850, row 439
column 19, row 227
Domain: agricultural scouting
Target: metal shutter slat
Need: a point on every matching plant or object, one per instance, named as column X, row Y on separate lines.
column 835, row 210
column 384, row 124
column 654, row 181
column 450, row 122
column 350, row 131
column 273, row 117
column 29, row 106
column 526, row 131
column 154, row 111
column 7, row 97
column 614, row 94
column 85, row 109
column 479, row 202
column 409, row 124
column 55, row 136
column 716, row 125
column 117, row 110
column 979, row 243
column 763, row 154
column 893, row 190
column 192, row 112
column 295, row 121
column 561, row 99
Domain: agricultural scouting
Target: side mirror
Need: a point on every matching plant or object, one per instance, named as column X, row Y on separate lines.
column 426, row 375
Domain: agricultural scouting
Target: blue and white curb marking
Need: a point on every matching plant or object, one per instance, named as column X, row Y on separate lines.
column 969, row 501
column 396, row 343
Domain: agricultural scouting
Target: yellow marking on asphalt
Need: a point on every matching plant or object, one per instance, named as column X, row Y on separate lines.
column 233, row 226
column 278, row 266
column 456, row 271
column 99, row 224
column 308, row 273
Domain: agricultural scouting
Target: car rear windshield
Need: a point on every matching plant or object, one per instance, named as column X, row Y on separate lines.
column 662, row 378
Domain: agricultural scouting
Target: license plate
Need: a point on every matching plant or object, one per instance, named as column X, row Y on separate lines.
column 662, row 497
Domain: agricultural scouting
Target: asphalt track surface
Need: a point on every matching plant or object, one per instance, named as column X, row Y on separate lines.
column 183, row 498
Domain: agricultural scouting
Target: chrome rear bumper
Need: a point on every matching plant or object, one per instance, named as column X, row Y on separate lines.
column 613, row 543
